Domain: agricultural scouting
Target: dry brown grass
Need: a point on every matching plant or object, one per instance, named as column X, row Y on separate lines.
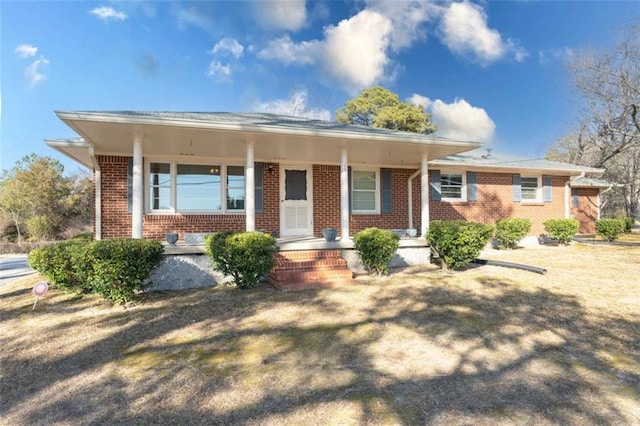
column 484, row 346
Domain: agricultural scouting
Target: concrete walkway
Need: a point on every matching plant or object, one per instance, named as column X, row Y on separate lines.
column 13, row 266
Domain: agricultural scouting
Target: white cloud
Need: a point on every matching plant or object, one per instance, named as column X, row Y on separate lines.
column 548, row 55
column 285, row 50
column 295, row 106
column 228, row 45
column 458, row 120
column 34, row 73
column 356, row 50
column 196, row 15
column 26, row 50
column 464, row 30
column 407, row 18
column 105, row 13
column 289, row 15
column 353, row 53
column 219, row 72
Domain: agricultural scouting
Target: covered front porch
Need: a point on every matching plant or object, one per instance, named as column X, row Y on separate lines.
column 187, row 266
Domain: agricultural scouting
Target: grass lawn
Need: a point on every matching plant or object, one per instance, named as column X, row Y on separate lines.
column 484, row 346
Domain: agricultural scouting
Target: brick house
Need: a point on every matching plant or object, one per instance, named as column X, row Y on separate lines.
column 159, row 172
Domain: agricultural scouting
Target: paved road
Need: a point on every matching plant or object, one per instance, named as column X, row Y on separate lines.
column 13, row 266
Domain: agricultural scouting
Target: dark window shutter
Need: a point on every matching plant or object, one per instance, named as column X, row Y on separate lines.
column 517, row 189
column 129, row 185
column 472, row 186
column 546, row 185
column 575, row 199
column 386, row 191
column 435, row 185
column 258, row 169
column 349, row 177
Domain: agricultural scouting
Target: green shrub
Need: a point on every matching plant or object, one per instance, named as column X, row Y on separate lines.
column 62, row 264
column 628, row 224
column 39, row 228
column 376, row 248
column 245, row 256
column 457, row 242
column 115, row 269
column 121, row 267
column 610, row 229
column 562, row 230
column 510, row 231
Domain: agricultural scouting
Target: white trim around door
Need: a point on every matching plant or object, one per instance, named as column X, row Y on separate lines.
column 296, row 201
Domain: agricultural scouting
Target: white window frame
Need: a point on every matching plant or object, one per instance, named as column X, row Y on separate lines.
column 463, row 189
column 538, row 198
column 376, row 190
column 173, row 167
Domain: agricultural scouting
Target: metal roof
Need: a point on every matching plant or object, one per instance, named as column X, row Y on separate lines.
column 589, row 182
column 483, row 158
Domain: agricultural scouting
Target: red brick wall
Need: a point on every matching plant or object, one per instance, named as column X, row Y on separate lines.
column 495, row 195
column 116, row 220
column 587, row 210
column 494, row 202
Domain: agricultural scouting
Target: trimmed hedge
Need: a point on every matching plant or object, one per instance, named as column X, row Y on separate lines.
column 610, row 229
column 628, row 224
column 457, row 242
column 115, row 269
column 510, row 231
column 246, row 256
column 562, row 230
column 376, row 248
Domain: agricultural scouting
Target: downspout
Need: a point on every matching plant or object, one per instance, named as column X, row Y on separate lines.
column 97, row 173
column 567, row 195
column 410, row 196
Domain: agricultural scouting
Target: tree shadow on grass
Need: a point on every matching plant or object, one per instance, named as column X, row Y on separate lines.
column 429, row 352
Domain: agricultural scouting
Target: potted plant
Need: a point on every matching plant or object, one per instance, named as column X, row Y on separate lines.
column 172, row 238
column 329, row 234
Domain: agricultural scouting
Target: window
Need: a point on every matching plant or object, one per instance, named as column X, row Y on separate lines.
column 160, row 186
column 530, row 188
column 196, row 187
column 235, row 187
column 363, row 191
column 452, row 186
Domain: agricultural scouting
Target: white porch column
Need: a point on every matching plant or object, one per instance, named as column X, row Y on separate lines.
column 424, row 196
column 250, row 190
column 137, row 194
column 344, row 196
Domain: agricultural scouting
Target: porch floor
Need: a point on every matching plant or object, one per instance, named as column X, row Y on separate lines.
column 296, row 244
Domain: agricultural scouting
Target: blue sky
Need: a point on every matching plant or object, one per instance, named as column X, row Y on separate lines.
column 487, row 71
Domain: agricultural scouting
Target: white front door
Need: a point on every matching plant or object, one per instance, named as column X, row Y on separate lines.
column 296, row 212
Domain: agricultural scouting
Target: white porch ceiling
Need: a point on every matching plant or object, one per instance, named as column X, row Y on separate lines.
column 113, row 134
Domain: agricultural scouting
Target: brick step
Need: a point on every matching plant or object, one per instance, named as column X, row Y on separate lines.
column 309, row 255
column 311, row 275
column 283, row 264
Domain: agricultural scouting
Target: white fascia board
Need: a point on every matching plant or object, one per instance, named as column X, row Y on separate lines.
column 515, row 169
column 69, row 117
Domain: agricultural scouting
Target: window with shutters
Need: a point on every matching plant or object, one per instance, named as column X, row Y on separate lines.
column 530, row 188
column 364, row 191
column 453, row 186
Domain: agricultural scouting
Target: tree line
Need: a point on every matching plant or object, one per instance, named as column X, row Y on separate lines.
column 38, row 202
column 607, row 130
